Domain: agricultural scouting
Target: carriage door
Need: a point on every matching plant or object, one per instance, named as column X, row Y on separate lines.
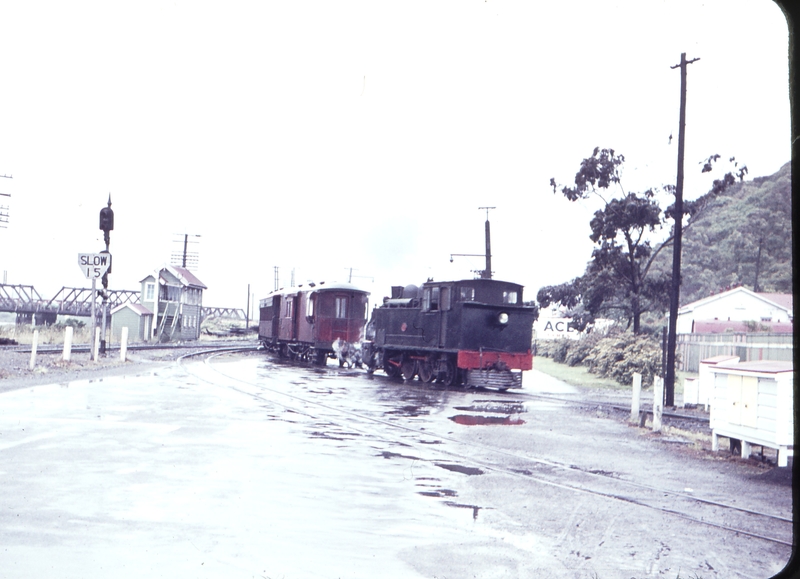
column 294, row 313
column 276, row 317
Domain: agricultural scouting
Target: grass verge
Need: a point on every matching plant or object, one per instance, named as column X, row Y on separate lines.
column 580, row 377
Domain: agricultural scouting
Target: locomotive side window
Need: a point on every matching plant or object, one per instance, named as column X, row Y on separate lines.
column 467, row 294
column 341, row 307
column 509, row 297
column 430, row 299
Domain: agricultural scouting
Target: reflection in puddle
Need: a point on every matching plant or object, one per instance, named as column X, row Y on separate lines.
column 474, row 508
column 475, row 420
column 438, row 493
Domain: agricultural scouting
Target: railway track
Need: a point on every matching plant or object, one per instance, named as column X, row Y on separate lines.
column 534, row 470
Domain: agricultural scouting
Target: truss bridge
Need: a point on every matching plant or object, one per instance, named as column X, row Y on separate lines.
column 29, row 306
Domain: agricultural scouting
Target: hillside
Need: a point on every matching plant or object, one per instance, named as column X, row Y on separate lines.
column 743, row 237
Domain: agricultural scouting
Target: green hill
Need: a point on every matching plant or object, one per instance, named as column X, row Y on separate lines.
column 743, row 237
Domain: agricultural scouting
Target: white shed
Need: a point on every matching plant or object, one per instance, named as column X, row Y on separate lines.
column 767, row 310
column 753, row 402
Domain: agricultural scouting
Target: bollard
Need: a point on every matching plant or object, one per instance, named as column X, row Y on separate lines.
column 658, row 402
column 96, row 345
column 32, row 364
column 67, row 344
column 123, row 344
column 637, row 394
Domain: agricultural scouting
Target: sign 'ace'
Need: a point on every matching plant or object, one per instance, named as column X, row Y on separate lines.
column 94, row 265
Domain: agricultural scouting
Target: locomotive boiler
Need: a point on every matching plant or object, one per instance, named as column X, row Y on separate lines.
column 314, row 322
column 475, row 332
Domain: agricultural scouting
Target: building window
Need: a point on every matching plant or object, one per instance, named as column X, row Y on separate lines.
column 149, row 292
column 341, row 308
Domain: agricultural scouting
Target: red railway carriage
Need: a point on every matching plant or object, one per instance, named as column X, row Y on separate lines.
column 314, row 322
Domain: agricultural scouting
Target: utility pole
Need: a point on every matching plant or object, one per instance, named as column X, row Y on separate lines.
column 675, row 290
column 4, row 208
column 186, row 258
column 487, row 273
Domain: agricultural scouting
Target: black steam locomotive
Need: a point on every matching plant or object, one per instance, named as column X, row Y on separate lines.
column 474, row 332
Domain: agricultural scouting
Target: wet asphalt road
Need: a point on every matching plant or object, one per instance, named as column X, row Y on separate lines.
column 243, row 467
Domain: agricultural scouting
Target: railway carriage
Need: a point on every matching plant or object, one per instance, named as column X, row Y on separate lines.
column 314, row 322
column 475, row 332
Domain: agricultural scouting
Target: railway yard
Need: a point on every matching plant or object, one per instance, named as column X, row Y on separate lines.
column 199, row 463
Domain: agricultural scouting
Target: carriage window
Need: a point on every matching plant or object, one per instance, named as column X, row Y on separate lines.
column 341, row 308
column 467, row 294
column 289, row 308
column 445, row 298
column 509, row 297
column 310, row 307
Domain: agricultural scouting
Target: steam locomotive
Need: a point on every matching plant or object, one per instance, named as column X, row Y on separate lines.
column 475, row 332
column 314, row 322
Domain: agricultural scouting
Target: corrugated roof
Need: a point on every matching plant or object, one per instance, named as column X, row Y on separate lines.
column 186, row 276
column 138, row 308
column 722, row 326
column 783, row 300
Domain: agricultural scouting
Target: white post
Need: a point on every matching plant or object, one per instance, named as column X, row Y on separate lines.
column 67, row 343
column 32, row 364
column 658, row 402
column 96, row 345
column 637, row 393
column 123, row 344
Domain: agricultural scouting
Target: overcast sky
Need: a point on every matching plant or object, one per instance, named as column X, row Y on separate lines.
column 324, row 136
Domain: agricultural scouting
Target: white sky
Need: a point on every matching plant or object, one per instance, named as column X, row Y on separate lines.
column 323, row 136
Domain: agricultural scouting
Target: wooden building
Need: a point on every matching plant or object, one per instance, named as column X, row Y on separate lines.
column 175, row 296
column 137, row 318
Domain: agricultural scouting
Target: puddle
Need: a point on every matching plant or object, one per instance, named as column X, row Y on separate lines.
column 476, row 420
column 388, row 454
column 468, row 470
column 438, row 493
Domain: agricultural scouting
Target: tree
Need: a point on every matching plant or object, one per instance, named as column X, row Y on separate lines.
column 620, row 281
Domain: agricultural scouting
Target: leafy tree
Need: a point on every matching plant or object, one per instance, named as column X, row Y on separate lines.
column 620, row 280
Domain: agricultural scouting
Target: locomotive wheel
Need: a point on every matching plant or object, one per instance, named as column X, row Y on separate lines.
column 425, row 371
column 408, row 368
column 448, row 377
column 391, row 367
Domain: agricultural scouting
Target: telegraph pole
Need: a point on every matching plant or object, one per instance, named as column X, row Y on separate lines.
column 674, row 297
column 487, row 273
column 4, row 209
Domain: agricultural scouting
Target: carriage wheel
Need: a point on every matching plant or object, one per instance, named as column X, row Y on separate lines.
column 408, row 368
column 425, row 371
column 320, row 357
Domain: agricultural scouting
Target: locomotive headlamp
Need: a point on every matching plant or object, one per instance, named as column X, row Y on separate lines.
column 502, row 318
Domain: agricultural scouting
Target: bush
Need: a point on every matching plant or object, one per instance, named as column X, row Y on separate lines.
column 618, row 356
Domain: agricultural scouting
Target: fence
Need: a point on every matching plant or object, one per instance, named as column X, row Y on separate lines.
column 691, row 348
